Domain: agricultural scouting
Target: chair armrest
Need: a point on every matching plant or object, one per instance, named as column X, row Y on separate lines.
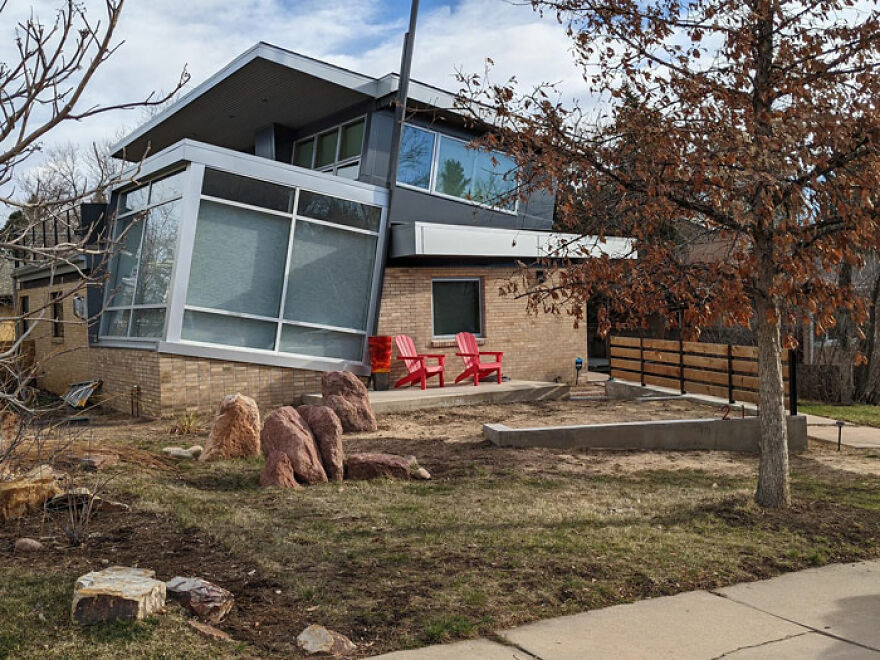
column 495, row 353
column 434, row 355
column 468, row 354
column 420, row 358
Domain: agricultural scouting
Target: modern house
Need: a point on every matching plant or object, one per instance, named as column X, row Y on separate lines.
column 261, row 244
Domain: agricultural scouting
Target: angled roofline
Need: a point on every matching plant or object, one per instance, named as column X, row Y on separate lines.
column 335, row 74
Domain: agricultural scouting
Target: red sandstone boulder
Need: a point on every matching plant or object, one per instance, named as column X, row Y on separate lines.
column 278, row 472
column 348, row 397
column 236, row 430
column 373, row 466
column 327, row 429
column 287, row 432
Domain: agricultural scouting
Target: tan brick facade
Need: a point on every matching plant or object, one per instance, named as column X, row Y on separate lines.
column 540, row 347
column 62, row 360
column 535, row 348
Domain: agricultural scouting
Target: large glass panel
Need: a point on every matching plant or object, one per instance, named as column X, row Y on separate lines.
column 348, row 171
column 247, row 191
column 416, row 154
column 303, row 154
column 125, row 262
column 148, row 323
column 352, row 140
column 494, row 179
column 238, row 260
column 157, row 254
column 322, row 343
column 229, row 330
column 168, row 188
column 327, row 148
column 455, row 168
column 456, row 307
column 341, row 211
column 115, row 323
column 331, row 274
column 133, row 199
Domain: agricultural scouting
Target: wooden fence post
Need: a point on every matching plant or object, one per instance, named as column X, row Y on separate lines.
column 681, row 363
column 642, row 360
column 730, row 373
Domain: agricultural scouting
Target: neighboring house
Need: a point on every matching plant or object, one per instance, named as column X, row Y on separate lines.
column 261, row 248
column 7, row 302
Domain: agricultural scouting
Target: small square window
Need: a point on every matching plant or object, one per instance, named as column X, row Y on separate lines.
column 457, row 307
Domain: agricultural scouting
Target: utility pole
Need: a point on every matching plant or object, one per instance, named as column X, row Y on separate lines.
column 402, row 92
column 409, row 41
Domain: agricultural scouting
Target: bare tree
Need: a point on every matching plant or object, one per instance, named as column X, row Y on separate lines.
column 42, row 88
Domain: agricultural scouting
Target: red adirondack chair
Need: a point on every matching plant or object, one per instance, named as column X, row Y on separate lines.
column 471, row 354
column 418, row 370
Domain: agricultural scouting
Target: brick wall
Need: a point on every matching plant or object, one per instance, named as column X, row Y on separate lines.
column 123, row 368
column 62, row 360
column 539, row 347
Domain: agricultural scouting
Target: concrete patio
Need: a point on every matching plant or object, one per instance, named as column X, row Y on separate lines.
column 829, row 612
column 412, row 398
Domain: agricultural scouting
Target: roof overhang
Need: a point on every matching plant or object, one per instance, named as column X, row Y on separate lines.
column 264, row 85
column 428, row 239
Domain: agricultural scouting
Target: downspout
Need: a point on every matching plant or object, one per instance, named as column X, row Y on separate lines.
column 394, row 156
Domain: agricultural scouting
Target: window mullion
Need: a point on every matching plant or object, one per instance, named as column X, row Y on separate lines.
column 137, row 273
column 286, row 272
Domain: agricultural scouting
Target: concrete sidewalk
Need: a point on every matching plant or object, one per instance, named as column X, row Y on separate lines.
column 824, row 429
column 830, row 612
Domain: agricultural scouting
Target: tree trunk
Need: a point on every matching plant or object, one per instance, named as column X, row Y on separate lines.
column 773, row 488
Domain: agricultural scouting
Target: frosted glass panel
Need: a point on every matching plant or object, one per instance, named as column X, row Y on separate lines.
column 157, row 254
column 238, row 260
column 229, row 330
column 125, row 262
column 148, row 323
column 322, row 343
column 331, row 274
column 168, row 188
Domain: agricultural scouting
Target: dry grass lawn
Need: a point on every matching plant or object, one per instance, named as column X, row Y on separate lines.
column 499, row 537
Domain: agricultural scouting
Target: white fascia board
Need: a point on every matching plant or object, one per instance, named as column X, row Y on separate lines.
column 438, row 240
column 337, row 75
column 255, row 167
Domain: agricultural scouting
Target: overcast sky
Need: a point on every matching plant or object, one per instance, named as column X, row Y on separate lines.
column 161, row 36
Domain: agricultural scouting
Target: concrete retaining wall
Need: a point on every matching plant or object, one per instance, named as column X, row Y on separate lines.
column 670, row 435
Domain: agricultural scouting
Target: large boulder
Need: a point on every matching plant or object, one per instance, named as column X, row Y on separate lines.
column 374, row 465
column 207, row 601
column 236, row 430
column 327, row 429
column 349, row 399
column 286, row 432
column 116, row 594
column 278, row 472
column 27, row 492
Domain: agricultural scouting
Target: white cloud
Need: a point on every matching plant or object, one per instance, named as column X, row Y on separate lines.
column 161, row 36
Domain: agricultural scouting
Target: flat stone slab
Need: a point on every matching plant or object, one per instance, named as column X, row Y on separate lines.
column 477, row 649
column 667, row 435
column 412, row 398
column 696, row 625
column 117, row 593
column 842, row 600
column 809, row 646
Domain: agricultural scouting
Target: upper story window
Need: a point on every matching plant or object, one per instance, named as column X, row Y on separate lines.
column 336, row 151
column 445, row 165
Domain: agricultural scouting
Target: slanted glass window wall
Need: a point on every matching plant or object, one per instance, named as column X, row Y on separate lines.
column 280, row 269
column 144, row 241
column 270, row 272
column 447, row 166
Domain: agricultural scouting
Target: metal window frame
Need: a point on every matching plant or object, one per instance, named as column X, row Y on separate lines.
column 198, row 157
column 432, row 186
column 479, row 280
column 337, row 163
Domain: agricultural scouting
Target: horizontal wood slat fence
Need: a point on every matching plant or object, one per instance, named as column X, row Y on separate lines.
column 724, row 370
